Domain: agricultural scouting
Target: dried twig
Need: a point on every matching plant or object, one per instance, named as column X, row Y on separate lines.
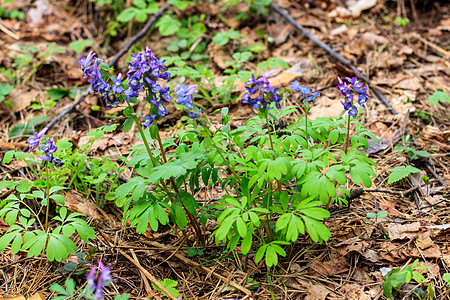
column 333, row 53
column 112, row 62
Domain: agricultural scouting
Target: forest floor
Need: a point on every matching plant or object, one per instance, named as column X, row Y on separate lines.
column 407, row 64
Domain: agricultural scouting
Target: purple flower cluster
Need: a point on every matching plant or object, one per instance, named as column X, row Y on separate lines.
column 184, row 96
column 35, row 140
column 104, row 277
column 49, row 147
column 346, row 89
column 144, row 70
column 267, row 94
column 306, row 92
column 90, row 68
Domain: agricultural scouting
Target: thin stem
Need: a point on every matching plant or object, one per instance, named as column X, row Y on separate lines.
column 348, row 135
column 47, row 211
column 219, row 151
column 306, row 129
column 192, row 219
column 271, row 147
column 270, row 133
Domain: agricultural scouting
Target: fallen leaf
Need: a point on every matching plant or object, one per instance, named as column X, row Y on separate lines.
column 412, row 83
column 373, row 39
column 317, row 292
column 424, row 242
column 37, row 296
column 354, row 291
column 18, row 297
column 77, row 203
column 400, row 232
column 337, row 265
column 371, row 255
column 21, row 97
column 361, row 5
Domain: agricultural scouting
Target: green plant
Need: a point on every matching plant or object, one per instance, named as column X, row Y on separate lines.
column 401, row 172
column 399, row 276
column 190, row 39
column 253, row 164
column 408, row 147
column 439, row 96
column 222, row 38
column 170, row 285
column 28, row 58
column 377, row 215
column 140, row 11
column 399, row 21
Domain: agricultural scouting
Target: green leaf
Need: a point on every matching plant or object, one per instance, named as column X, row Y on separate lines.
column 401, row 172
column 439, row 96
column 78, row 46
column 127, row 124
column 168, row 25
column 127, row 14
column 24, row 186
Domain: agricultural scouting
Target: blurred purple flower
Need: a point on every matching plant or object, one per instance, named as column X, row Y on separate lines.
column 192, row 114
column 50, row 148
column 308, row 96
column 34, row 141
column 104, row 277
column 148, row 120
column 184, row 95
column 117, row 86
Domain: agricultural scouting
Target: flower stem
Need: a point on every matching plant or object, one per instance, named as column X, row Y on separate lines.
column 270, row 132
column 219, row 151
column 48, row 198
column 348, row 136
column 280, row 189
column 194, row 222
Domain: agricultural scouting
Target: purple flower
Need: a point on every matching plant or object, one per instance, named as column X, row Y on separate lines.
column 192, row 114
column 146, row 63
column 104, row 277
column 148, row 120
column 34, row 141
column 117, row 86
column 313, row 96
column 306, row 92
column 184, row 95
column 266, row 93
column 50, row 148
column 85, row 62
column 346, row 92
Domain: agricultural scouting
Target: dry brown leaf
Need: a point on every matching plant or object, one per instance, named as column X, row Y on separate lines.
column 37, row 296
column 77, row 203
column 353, row 244
column 372, row 39
column 21, row 97
column 317, row 292
column 18, row 297
column 354, row 291
column 412, row 83
column 424, row 242
column 402, row 104
column 337, row 265
column 400, row 232
column 371, row 255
